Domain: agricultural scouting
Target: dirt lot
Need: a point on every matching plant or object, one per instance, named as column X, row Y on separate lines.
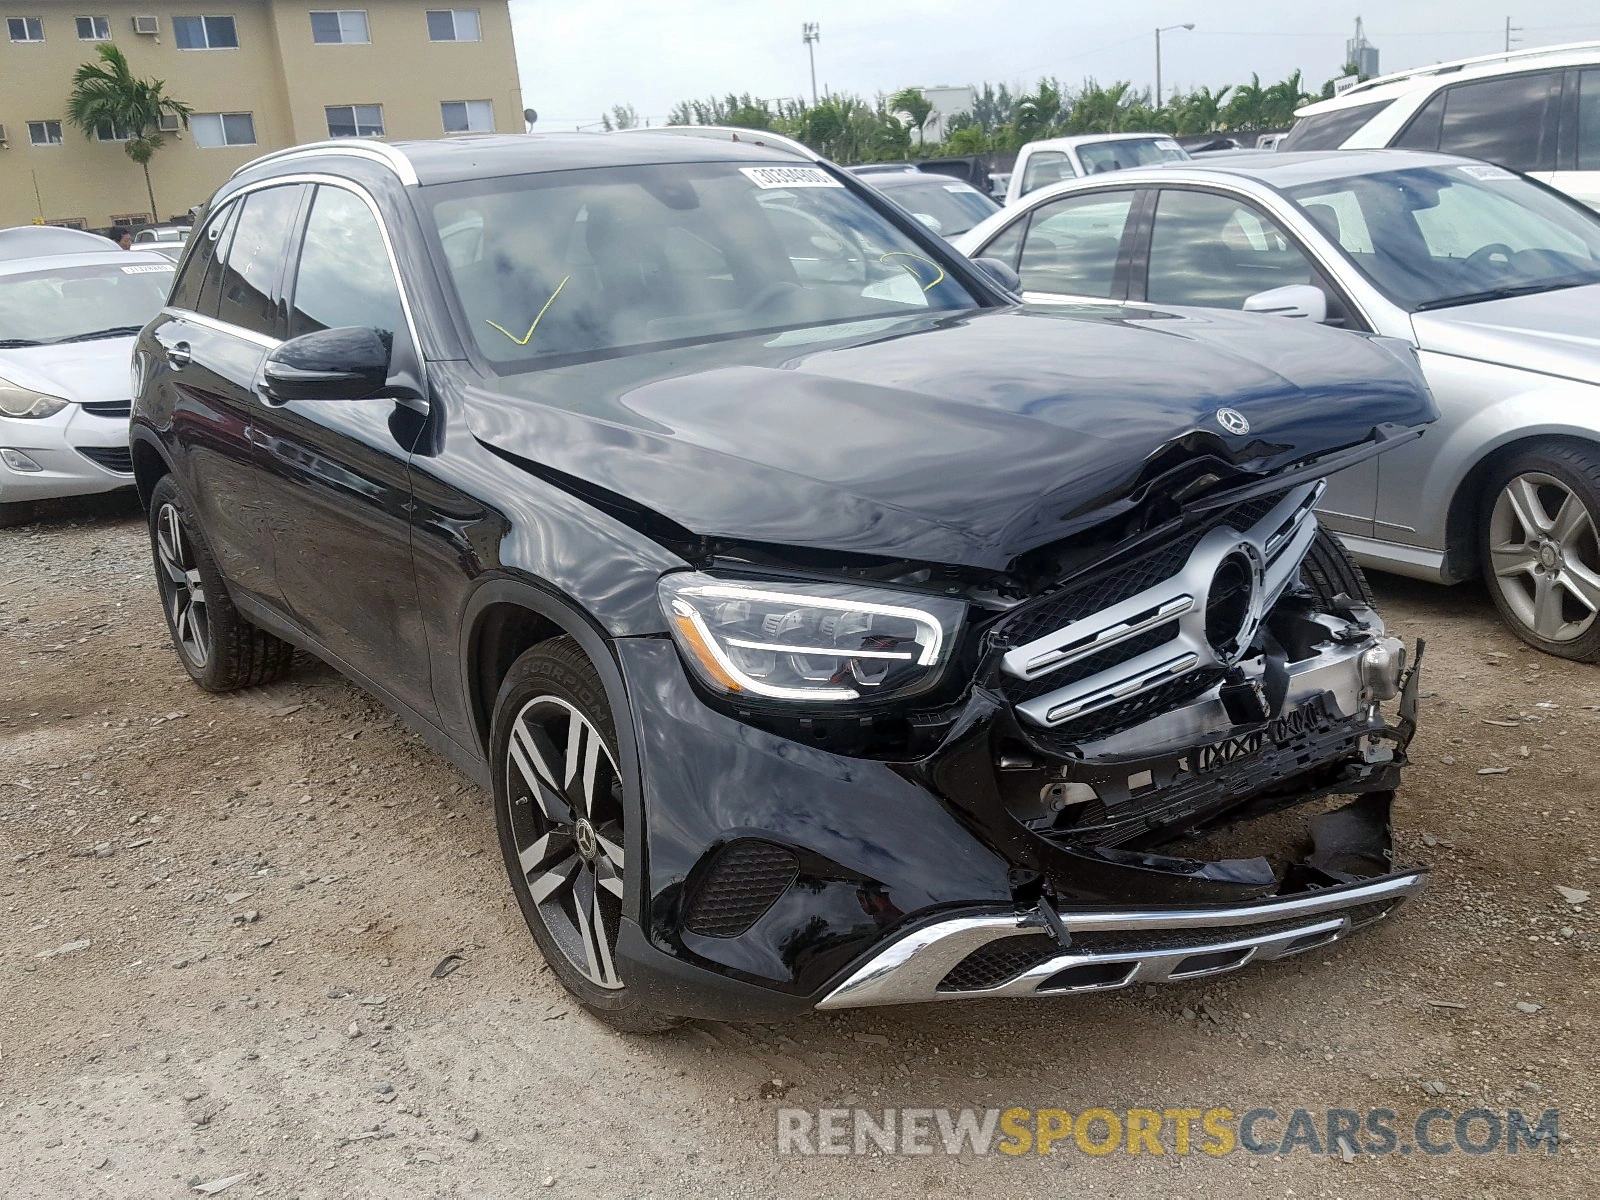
column 264, row 883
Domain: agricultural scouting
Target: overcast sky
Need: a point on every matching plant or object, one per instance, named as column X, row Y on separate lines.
column 578, row 57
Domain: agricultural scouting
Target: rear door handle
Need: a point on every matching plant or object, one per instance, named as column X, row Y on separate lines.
column 178, row 356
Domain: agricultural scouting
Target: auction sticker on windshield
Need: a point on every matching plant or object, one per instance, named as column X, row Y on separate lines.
column 789, row 177
column 1485, row 171
column 154, row 269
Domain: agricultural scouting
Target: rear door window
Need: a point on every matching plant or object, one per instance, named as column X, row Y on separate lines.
column 1215, row 252
column 1072, row 244
column 1503, row 121
column 186, row 288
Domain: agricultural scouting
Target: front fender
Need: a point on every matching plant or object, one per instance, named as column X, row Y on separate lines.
column 1484, row 409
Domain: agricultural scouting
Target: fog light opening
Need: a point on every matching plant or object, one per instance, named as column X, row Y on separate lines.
column 18, row 461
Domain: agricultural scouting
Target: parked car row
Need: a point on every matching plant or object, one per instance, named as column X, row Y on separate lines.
column 1493, row 278
column 833, row 626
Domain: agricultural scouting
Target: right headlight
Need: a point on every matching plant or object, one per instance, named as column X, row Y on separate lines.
column 809, row 641
column 25, row 402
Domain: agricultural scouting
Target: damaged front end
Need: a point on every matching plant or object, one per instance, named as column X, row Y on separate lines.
column 1125, row 726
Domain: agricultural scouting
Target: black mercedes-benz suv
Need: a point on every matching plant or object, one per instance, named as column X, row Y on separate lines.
column 831, row 628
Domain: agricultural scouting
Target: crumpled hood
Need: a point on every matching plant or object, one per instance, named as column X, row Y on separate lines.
column 965, row 440
column 84, row 372
column 1553, row 333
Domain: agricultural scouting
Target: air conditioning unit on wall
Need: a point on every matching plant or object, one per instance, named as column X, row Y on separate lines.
column 170, row 124
column 147, row 25
column 3, row 139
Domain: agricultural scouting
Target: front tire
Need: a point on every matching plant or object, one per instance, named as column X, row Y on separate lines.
column 1329, row 571
column 1539, row 549
column 560, row 813
column 218, row 647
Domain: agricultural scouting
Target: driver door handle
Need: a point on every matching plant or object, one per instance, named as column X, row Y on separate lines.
column 178, row 355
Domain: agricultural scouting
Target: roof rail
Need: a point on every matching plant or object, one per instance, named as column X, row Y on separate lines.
column 1445, row 68
column 731, row 133
column 380, row 152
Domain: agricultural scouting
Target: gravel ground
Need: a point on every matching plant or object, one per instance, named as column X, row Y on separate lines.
column 220, row 916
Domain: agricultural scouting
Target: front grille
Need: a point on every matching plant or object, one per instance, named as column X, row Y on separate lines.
column 745, row 878
column 1083, row 599
column 109, row 408
column 112, row 458
column 997, row 962
column 1019, row 691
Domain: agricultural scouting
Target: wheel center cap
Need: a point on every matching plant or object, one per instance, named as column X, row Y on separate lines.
column 1549, row 556
column 588, row 844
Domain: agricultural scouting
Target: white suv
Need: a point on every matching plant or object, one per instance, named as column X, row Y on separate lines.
column 1536, row 111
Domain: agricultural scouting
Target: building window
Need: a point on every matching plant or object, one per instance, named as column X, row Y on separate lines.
column 205, row 33
column 212, row 130
column 94, row 29
column 453, row 25
column 31, row 29
column 107, row 132
column 468, row 116
column 44, row 133
column 355, row 120
column 69, row 222
column 342, row 27
column 130, row 220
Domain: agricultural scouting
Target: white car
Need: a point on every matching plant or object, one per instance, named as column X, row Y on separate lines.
column 1493, row 280
column 1039, row 164
column 1536, row 111
column 67, row 328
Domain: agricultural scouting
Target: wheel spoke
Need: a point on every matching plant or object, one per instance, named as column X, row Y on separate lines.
column 529, row 749
column 1582, row 583
column 558, row 876
column 1513, row 559
column 1523, row 495
column 1547, row 617
column 1571, row 522
column 592, row 931
column 608, row 876
column 582, row 764
column 534, row 857
column 611, row 846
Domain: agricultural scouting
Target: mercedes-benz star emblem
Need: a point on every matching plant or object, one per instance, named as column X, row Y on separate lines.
column 1233, row 421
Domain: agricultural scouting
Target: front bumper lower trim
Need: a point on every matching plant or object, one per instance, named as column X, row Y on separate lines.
column 911, row 969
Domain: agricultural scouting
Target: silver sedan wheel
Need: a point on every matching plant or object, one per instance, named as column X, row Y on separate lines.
column 565, row 798
column 181, row 588
column 1545, row 557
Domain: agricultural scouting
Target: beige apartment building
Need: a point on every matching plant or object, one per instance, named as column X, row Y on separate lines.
column 260, row 75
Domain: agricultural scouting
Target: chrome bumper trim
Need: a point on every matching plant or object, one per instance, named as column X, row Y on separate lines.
column 909, row 970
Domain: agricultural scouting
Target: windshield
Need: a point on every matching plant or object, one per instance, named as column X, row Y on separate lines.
column 1435, row 236
column 591, row 262
column 80, row 302
column 944, row 206
column 1098, row 157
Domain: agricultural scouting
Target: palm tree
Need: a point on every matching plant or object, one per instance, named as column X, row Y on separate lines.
column 105, row 95
column 915, row 106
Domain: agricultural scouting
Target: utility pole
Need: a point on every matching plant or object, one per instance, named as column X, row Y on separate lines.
column 1511, row 29
column 811, row 34
column 1159, row 32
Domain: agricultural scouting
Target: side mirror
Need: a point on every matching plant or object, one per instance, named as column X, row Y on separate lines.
column 330, row 364
column 1296, row 300
column 1001, row 272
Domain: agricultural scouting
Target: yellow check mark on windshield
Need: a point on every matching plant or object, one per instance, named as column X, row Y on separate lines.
column 526, row 338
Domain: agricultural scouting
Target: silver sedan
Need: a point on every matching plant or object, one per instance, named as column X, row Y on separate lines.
column 1493, row 279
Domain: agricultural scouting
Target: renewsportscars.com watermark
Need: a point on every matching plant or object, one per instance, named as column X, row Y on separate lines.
column 1181, row 1131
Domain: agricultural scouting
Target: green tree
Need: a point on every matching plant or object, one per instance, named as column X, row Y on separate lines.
column 1247, row 109
column 917, row 108
column 107, row 97
column 1036, row 114
column 624, row 116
